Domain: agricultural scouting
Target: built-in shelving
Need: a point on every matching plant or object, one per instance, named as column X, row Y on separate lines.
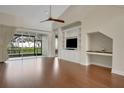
column 99, row 49
column 99, row 53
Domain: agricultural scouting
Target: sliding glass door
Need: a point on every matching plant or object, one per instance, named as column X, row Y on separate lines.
column 25, row 45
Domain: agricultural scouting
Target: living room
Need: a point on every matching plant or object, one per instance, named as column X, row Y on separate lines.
column 61, row 46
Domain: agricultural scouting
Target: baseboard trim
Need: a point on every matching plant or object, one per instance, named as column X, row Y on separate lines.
column 69, row 60
column 97, row 65
column 84, row 64
column 101, row 65
column 117, row 72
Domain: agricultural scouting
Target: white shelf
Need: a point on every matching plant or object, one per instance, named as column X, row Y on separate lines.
column 96, row 53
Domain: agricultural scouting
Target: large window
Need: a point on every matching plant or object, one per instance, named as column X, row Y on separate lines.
column 25, row 45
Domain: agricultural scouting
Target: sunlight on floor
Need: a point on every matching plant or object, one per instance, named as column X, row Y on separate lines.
column 56, row 65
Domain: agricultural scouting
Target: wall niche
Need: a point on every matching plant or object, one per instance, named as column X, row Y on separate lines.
column 99, row 50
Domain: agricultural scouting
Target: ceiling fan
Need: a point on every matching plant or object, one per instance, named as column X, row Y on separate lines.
column 52, row 19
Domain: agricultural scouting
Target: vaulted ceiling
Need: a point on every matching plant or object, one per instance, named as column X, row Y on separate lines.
column 32, row 14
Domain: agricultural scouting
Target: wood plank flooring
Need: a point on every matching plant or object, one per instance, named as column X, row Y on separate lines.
column 52, row 73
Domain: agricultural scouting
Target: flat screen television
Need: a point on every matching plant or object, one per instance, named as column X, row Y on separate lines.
column 71, row 43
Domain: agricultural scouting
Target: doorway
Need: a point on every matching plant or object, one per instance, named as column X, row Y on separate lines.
column 56, row 45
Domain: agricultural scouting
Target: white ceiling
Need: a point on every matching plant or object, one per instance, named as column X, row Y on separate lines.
column 34, row 13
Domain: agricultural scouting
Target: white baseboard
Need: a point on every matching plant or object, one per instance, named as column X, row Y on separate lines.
column 101, row 65
column 118, row 72
column 70, row 60
column 97, row 65
column 85, row 63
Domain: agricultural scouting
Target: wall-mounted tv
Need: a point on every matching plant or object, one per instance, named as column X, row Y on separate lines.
column 71, row 43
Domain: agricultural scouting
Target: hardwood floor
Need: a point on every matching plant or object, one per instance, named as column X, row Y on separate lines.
column 51, row 73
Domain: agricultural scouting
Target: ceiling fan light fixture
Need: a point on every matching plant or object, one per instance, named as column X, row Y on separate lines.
column 52, row 19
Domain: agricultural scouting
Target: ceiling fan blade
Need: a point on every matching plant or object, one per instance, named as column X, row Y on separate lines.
column 43, row 20
column 57, row 20
column 52, row 19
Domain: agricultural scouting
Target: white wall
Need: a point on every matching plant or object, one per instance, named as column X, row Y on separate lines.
column 7, row 19
column 108, row 20
column 6, row 33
